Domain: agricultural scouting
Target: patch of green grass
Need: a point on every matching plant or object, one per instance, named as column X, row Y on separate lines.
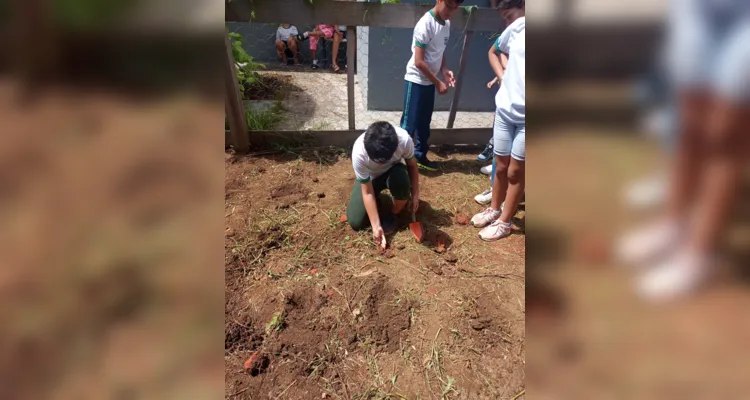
column 276, row 324
column 264, row 120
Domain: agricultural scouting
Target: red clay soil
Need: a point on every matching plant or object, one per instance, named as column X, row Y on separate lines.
column 317, row 311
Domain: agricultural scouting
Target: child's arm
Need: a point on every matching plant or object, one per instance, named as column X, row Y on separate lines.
column 368, row 196
column 278, row 33
column 504, row 60
column 496, row 63
column 422, row 66
column 492, row 83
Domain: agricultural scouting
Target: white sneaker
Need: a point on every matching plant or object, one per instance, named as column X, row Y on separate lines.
column 496, row 230
column 676, row 277
column 485, row 218
column 484, row 198
column 487, row 169
column 647, row 244
column 647, row 193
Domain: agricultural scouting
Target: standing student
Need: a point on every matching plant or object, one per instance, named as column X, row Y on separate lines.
column 423, row 72
column 709, row 62
column 510, row 124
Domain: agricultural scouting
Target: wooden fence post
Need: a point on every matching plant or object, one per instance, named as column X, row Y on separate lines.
column 233, row 103
column 351, row 52
column 460, row 77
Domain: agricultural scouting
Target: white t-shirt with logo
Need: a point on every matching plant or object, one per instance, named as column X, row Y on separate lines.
column 284, row 33
column 431, row 35
column 366, row 170
column 510, row 99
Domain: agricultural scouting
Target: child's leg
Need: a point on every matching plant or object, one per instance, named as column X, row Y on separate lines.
column 503, row 135
column 516, row 175
column 280, row 50
column 427, row 105
column 314, row 49
column 356, row 213
column 399, row 185
column 292, row 43
column 410, row 116
column 336, row 42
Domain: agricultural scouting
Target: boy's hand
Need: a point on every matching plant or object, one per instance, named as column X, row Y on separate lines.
column 379, row 236
column 415, row 202
column 491, row 83
column 449, row 78
column 441, row 88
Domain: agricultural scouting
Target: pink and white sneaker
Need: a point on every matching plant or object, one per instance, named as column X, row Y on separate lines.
column 496, row 230
column 485, row 218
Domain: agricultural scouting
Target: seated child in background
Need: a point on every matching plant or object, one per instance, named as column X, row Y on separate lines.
column 327, row 32
column 286, row 43
column 383, row 158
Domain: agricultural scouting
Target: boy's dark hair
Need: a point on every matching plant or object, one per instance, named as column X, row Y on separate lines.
column 508, row 4
column 381, row 141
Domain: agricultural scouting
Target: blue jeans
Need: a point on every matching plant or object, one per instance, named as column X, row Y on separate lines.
column 419, row 101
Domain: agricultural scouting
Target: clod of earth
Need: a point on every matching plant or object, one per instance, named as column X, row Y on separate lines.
column 321, row 195
column 343, row 218
column 400, row 246
column 462, row 219
column 229, row 232
column 315, row 180
column 435, row 268
column 450, row 257
column 261, row 170
column 479, row 324
column 257, row 364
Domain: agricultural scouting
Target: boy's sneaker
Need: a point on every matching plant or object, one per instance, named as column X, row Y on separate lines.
column 426, row 164
column 315, row 66
column 302, row 36
column 484, row 198
column 388, row 222
column 487, row 169
column 486, row 154
column 485, row 218
column 496, row 230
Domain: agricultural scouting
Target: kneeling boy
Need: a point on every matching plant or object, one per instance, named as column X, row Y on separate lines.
column 383, row 158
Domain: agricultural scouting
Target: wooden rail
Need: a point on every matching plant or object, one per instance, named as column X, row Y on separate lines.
column 352, row 13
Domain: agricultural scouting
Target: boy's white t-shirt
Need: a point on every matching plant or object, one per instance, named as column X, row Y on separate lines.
column 431, row 35
column 366, row 170
column 510, row 99
column 283, row 34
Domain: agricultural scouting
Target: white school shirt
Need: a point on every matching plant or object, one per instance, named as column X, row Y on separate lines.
column 366, row 170
column 283, row 34
column 431, row 35
column 510, row 99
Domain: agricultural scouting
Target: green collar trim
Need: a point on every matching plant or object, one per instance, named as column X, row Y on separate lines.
column 440, row 21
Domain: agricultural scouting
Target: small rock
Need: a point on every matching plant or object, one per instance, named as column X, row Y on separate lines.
column 229, row 231
column 315, row 180
column 388, row 253
column 450, row 257
column 261, row 170
column 356, row 312
column 400, row 246
column 321, row 195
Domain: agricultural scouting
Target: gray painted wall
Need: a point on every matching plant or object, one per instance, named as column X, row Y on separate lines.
column 382, row 54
